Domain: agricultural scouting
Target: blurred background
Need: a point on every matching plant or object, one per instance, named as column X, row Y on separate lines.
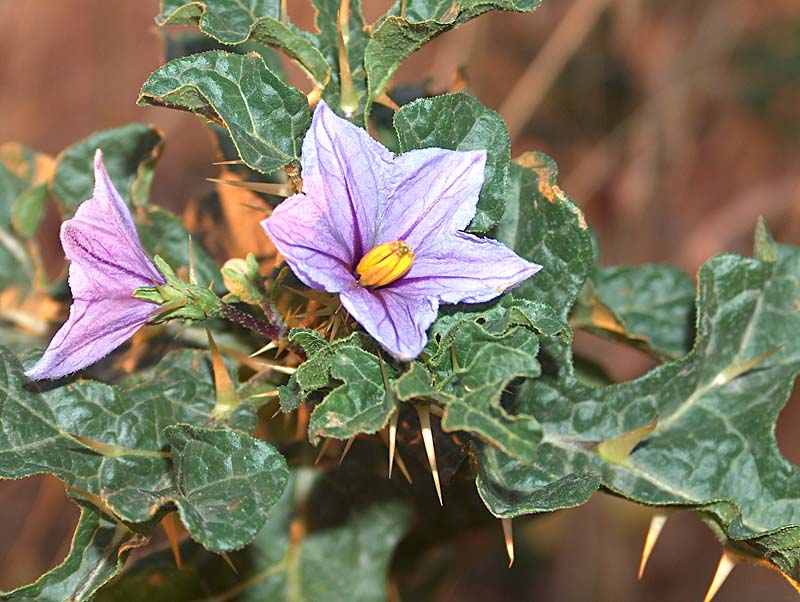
column 674, row 125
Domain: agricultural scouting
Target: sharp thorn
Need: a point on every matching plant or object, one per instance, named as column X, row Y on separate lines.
column 192, row 273
column 267, row 394
column 508, row 534
column 724, row 568
column 326, row 445
column 397, row 457
column 392, row 439
column 232, row 162
column 656, row 525
column 274, row 189
column 424, row 413
column 229, row 562
column 171, row 526
column 402, row 466
column 268, row 347
column 347, row 447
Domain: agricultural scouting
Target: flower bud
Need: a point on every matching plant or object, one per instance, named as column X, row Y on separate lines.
column 385, row 263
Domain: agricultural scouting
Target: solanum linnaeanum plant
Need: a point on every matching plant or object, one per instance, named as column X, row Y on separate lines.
column 384, row 232
column 442, row 281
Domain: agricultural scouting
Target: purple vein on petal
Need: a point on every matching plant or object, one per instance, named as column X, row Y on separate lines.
column 91, row 253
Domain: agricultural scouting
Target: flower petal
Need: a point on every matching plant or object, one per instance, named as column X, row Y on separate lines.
column 464, row 268
column 107, row 265
column 398, row 322
column 315, row 251
column 352, row 173
column 436, row 195
column 102, row 234
column 94, row 329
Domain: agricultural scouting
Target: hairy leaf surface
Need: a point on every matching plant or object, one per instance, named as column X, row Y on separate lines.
column 126, row 448
column 265, row 117
column 713, row 448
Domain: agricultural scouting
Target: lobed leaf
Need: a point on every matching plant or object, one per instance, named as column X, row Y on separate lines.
column 225, row 482
column 473, row 358
column 358, row 400
column 112, row 445
column 459, row 122
column 265, row 117
column 713, row 449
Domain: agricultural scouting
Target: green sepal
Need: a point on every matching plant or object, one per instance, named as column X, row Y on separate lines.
column 179, row 299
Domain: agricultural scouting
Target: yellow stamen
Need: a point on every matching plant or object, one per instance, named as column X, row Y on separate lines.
column 385, row 263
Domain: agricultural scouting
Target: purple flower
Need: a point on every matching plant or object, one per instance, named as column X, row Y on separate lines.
column 385, row 232
column 108, row 264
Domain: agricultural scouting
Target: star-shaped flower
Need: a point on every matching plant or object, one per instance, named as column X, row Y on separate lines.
column 385, row 232
column 107, row 265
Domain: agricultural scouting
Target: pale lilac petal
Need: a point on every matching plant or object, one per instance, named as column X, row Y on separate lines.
column 94, row 329
column 351, row 172
column 464, row 268
column 107, row 265
column 437, row 194
column 316, row 252
column 102, row 230
column 399, row 323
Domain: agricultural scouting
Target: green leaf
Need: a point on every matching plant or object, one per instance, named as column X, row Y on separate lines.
column 16, row 267
column 714, row 447
column 359, row 401
column 542, row 225
column 650, row 306
column 411, row 23
column 314, row 373
column 129, row 153
column 340, row 549
column 265, row 117
column 473, row 357
column 225, row 482
column 28, row 211
column 234, row 22
column 108, row 443
column 361, row 404
column 98, row 551
column 460, row 122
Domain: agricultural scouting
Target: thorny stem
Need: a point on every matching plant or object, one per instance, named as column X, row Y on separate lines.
column 234, row 314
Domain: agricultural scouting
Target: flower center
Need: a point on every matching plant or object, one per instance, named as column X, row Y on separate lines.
column 385, row 263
